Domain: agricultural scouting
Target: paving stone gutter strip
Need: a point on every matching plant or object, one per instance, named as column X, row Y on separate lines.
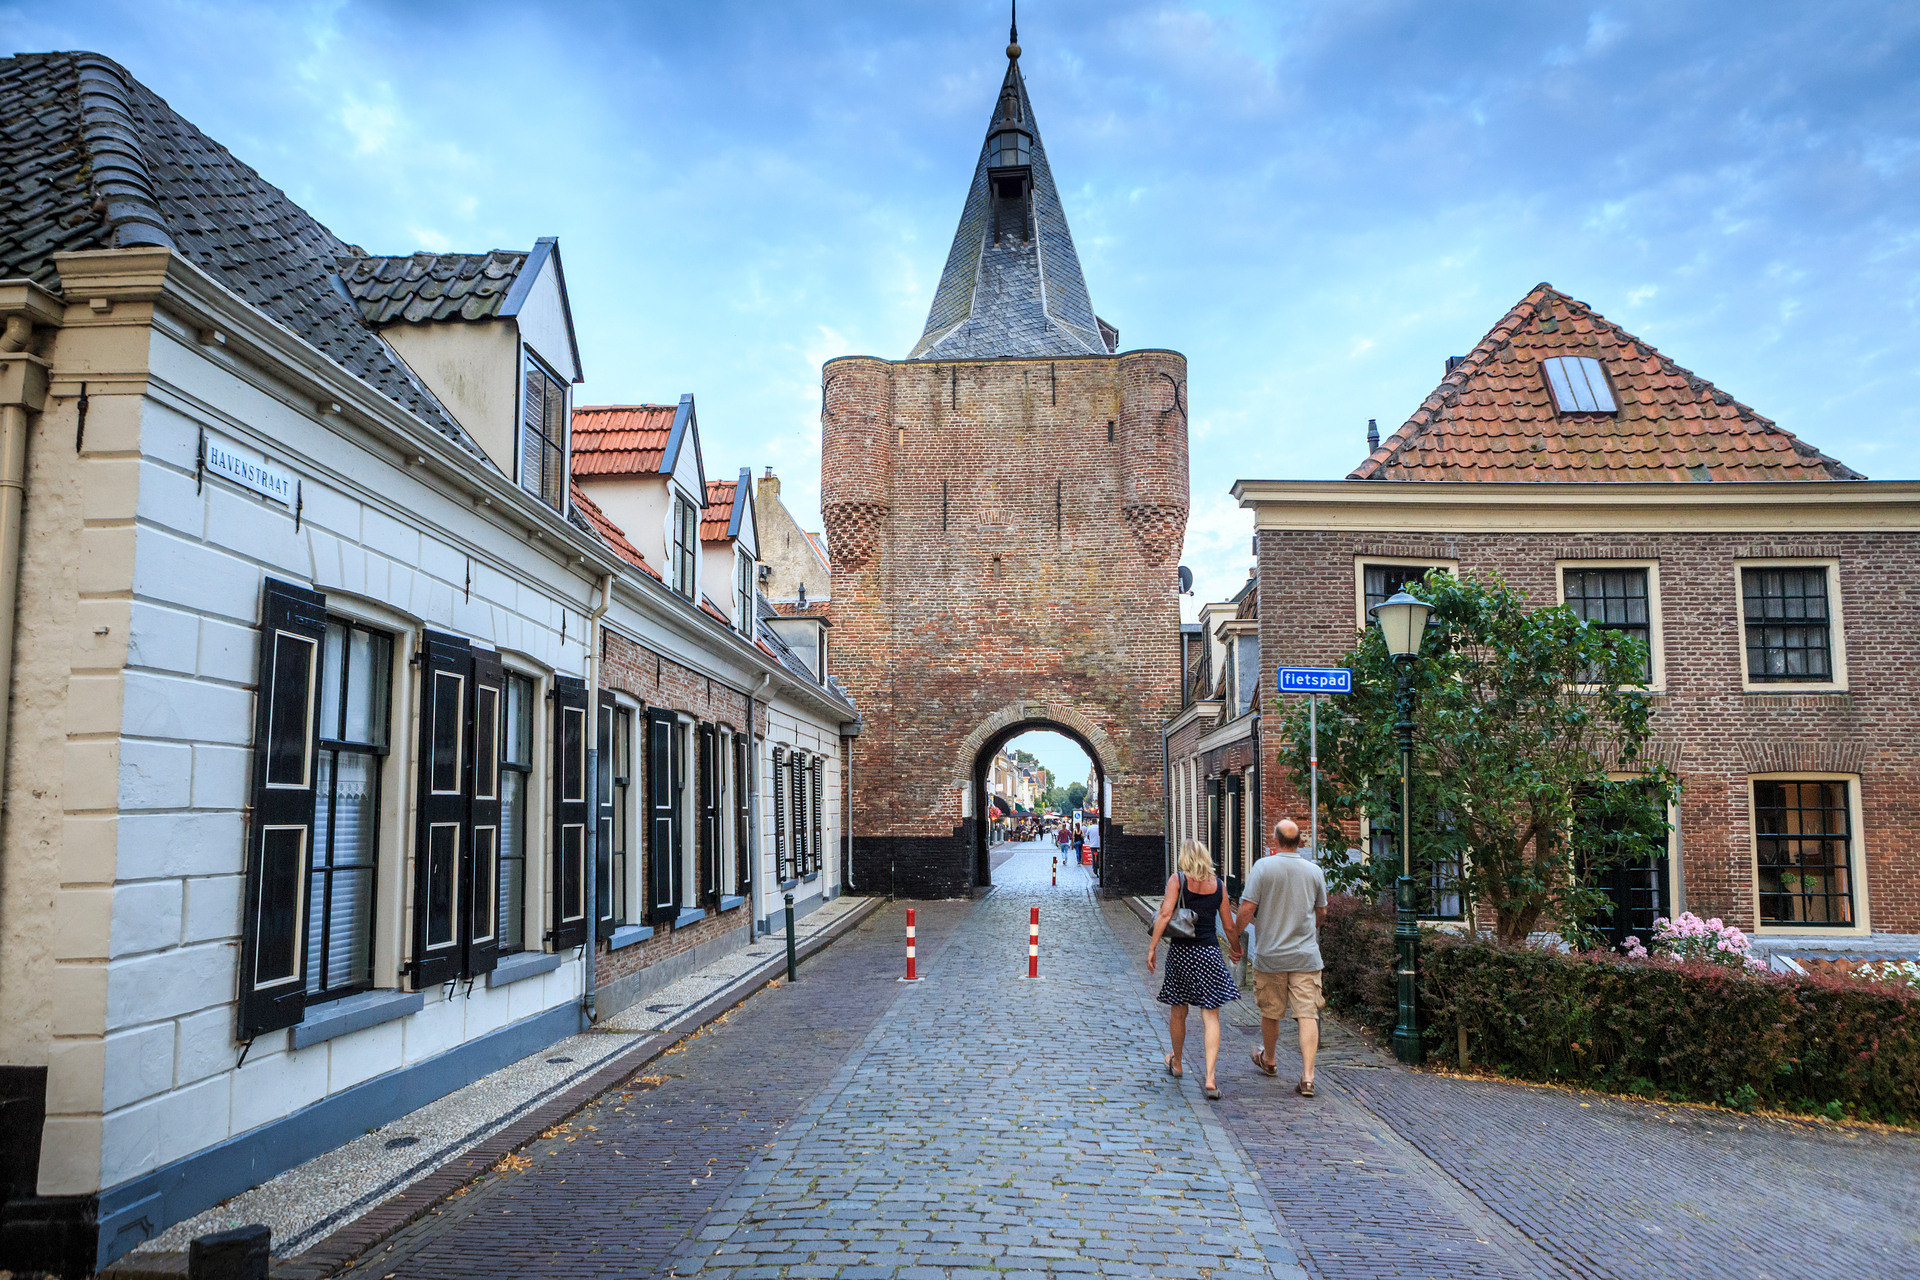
column 342, row 1247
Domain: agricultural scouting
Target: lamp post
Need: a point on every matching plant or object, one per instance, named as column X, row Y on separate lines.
column 1403, row 620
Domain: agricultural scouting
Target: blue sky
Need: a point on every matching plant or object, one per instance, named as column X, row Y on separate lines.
column 1316, row 203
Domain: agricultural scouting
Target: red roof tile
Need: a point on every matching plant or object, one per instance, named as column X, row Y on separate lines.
column 610, row 532
column 708, row 606
column 719, row 510
column 621, row 440
column 1493, row 418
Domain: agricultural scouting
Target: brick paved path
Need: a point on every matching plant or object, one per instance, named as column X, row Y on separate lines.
column 980, row 1125
column 992, row 1126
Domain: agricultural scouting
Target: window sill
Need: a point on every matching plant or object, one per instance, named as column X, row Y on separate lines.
column 355, row 1013
column 728, row 902
column 526, row 964
column 628, row 934
column 810, row 877
column 691, row 915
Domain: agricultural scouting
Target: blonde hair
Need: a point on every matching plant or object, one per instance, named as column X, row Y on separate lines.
column 1195, row 862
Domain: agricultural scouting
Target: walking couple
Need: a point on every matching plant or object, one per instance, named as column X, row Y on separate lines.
column 1285, row 900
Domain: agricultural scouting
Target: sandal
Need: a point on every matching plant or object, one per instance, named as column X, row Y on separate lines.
column 1172, row 1070
column 1213, row 1093
column 1261, row 1063
column 1304, row 1088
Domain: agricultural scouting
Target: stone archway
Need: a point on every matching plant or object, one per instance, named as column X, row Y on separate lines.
column 1010, row 722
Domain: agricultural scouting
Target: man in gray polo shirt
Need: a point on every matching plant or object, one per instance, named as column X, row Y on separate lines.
column 1285, row 899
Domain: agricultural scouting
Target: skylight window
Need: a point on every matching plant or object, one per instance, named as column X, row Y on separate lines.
column 1579, row 385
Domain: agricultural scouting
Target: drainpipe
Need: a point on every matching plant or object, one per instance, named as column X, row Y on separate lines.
column 1166, row 801
column 587, row 989
column 753, row 803
column 23, row 392
column 846, row 816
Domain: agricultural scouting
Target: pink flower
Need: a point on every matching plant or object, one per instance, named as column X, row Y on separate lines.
column 1715, row 923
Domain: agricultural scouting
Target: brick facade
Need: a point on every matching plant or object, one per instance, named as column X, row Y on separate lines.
column 1717, row 735
column 1004, row 535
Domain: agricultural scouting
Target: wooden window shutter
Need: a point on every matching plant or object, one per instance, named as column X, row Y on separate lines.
column 567, row 886
column 605, row 909
column 532, row 418
column 781, row 870
column 819, row 849
column 482, row 877
column 797, row 809
column 439, row 846
column 743, row 850
column 273, row 980
column 663, row 843
column 554, row 443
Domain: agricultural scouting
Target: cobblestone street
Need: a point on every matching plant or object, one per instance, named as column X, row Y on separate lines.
column 977, row 1124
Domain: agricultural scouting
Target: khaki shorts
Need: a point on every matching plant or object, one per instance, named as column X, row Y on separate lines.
column 1288, row 995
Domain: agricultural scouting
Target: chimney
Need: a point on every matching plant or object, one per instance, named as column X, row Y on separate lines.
column 769, row 487
column 1373, row 435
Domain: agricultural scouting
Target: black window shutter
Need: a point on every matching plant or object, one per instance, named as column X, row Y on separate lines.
column 663, row 845
column 780, row 868
column 570, row 813
column 604, row 906
column 439, row 846
column 273, row 980
column 710, row 813
column 819, row 850
column 482, row 878
column 743, row 848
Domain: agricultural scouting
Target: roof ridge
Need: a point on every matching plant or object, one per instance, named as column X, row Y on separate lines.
column 115, row 158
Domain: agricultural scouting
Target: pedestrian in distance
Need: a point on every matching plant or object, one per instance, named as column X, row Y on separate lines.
column 1197, row 975
column 1093, row 846
column 1285, row 899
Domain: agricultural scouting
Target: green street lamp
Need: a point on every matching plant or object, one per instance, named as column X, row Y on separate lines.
column 1403, row 620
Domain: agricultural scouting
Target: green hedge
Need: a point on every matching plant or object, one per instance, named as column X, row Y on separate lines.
column 1691, row 1032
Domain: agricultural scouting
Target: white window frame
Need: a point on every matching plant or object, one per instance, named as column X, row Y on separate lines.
column 1656, row 631
column 688, row 899
column 636, row 904
column 1862, row 925
column 690, row 589
column 743, row 566
column 530, row 360
column 1836, row 625
column 535, row 910
column 728, row 856
column 1363, row 562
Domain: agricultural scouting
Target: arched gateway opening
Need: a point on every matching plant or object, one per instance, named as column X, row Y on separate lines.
column 992, row 796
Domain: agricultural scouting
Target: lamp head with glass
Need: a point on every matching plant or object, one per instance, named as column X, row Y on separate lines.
column 1403, row 620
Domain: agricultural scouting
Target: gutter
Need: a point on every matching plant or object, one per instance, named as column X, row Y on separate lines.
column 23, row 396
column 592, row 870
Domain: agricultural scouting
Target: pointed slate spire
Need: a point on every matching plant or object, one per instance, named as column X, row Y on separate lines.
column 1012, row 284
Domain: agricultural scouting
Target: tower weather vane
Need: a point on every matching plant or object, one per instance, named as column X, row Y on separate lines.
column 1013, row 31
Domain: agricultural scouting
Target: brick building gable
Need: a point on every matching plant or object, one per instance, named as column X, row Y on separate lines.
column 1493, row 417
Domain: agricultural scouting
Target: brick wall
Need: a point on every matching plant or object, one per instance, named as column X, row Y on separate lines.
column 658, row 681
column 1716, row 735
column 1005, row 536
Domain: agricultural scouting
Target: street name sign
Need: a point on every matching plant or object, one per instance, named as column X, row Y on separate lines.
column 1315, row 680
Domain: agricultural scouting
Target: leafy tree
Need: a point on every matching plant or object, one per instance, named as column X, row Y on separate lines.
column 1521, row 715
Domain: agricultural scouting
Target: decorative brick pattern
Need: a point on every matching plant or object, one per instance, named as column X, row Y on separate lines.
column 1000, row 588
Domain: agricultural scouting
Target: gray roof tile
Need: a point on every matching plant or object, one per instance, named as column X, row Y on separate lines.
column 90, row 158
column 431, row 286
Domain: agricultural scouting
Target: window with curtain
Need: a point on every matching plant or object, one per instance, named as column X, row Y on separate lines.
column 543, row 435
column 1384, row 581
column 1613, row 600
column 1788, row 637
column 516, row 770
column 356, row 668
column 1803, row 836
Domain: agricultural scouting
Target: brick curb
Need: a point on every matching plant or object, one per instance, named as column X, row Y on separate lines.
column 342, row 1248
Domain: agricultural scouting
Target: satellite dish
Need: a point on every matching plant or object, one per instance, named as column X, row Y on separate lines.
column 1186, row 581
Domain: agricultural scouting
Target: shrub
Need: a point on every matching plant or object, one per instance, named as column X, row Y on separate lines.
column 1356, row 946
column 1698, row 1031
column 1688, row 937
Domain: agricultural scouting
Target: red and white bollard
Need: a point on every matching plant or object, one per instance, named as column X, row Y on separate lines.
column 1056, row 870
column 911, row 976
column 1033, row 944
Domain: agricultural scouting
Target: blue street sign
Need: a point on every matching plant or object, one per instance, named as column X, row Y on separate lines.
column 1315, row 680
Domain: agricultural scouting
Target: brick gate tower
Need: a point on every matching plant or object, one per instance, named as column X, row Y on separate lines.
column 1005, row 509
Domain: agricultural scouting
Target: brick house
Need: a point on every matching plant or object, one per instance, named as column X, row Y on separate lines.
column 1777, row 591
column 794, row 569
column 1005, row 507
column 1213, row 745
column 297, row 829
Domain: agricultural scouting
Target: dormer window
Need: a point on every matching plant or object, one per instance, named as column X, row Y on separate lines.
column 543, row 435
column 743, row 592
column 1579, row 385
column 686, row 544
column 1010, row 179
column 1009, row 149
